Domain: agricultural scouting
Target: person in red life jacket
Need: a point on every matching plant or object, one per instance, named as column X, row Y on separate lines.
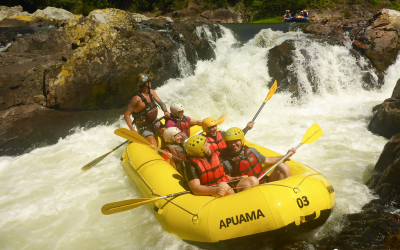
column 173, row 138
column 243, row 160
column 180, row 121
column 205, row 170
column 215, row 137
column 144, row 111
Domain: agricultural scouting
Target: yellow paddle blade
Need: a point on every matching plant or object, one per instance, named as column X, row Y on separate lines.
column 221, row 119
column 121, row 206
column 131, row 136
column 312, row 134
column 271, row 91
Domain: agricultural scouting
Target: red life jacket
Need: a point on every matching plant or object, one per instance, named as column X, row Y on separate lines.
column 182, row 124
column 218, row 144
column 211, row 173
column 176, row 150
column 150, row 111
column 247, row 164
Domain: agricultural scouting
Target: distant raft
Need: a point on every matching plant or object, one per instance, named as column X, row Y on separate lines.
column 299, row 203
column 297, row 19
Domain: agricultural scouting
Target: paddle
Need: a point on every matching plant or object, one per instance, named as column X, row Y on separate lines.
column 269, row 95
column 312, row 134
column 219, row 122
column 135, row 137
column 121, row 206
column 99, row 159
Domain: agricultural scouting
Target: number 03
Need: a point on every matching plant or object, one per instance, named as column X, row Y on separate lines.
column 301, row 203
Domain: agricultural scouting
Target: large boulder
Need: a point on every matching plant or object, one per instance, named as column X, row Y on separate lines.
column 386, row 119
column 93, row 62
column 385, row 178
column 376, row 38
column 226, row 15
column 279, row 59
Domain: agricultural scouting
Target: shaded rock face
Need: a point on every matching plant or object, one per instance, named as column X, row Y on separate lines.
column 386, row 119
column 94, row 62
column 279, row 59
column 26, row 127
column 377, row 37
column 373, row 228
column 385, row 178
column 226, row 15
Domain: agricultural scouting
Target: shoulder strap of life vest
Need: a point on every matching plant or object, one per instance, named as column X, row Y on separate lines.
column 248, row 164
column 210, row 173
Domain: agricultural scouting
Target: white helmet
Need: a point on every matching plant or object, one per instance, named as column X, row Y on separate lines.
column 169, row 134
column 176, row 107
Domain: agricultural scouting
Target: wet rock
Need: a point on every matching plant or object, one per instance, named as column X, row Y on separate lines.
column 279, row 59
column 26, row 127
column 94, row 62
column 373, row 228
column 396, row 90
column 386, row 119
column 385, row 178
column 376, row 37
column 225, row 15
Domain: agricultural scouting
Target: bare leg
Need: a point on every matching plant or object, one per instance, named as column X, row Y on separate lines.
column 282, row 171
column 247, row 183
column 153, row 141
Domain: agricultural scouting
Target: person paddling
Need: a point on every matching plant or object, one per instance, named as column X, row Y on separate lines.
column 305, row 13
column 174, row 139
column 179, row 120
column 243, row 160
column 144, row 111
column 205, row 170
column 215, row 137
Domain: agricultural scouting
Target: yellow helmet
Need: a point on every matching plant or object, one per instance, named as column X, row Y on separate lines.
column 233, row 134
column 304, row 10
column 195, row 146
column 208, row 122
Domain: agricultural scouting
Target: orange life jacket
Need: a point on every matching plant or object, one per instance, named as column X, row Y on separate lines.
column 247, row 164
column 211, row 173
column 218, row 144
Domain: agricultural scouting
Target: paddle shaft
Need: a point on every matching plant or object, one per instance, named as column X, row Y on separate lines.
column 121, row 206
column 162, row 151
column 276, row 164
column 97, row 160
column 254, row 118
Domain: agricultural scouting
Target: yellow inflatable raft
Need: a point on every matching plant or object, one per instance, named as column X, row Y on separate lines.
column 299, row 203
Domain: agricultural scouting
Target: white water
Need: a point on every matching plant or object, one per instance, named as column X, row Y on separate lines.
column 47, row 202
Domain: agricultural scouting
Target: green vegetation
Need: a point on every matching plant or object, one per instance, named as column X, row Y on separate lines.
column 263, row 10
column 277, row 19
column 347, row 14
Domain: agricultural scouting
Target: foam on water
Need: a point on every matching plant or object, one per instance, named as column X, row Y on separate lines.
column 47, row 202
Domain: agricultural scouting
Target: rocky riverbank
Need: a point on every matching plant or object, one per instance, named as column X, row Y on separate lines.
column 88, row 63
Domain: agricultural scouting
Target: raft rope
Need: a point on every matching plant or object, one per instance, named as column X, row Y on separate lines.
column 148, row 186
column 196, row 214
column 273, row 184
column 140, row 176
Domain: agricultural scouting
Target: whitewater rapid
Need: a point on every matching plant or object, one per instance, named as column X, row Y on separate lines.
column 47, row 202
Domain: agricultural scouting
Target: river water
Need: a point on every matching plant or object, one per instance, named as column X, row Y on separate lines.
column 47, row 202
